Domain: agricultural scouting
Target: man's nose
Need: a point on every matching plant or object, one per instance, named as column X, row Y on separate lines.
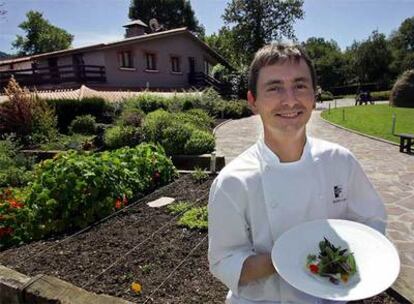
column 290, row 96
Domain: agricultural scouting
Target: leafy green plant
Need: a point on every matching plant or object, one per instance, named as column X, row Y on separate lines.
column 195, row 218
column 15, row 219
column 83, row 124
column 199, row 175
column 121, row 136
column 178, row 207
column 75, row 189
column 15, row 168
column 200, row 142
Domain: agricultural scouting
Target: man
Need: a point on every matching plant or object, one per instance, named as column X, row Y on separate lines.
column 285, row 179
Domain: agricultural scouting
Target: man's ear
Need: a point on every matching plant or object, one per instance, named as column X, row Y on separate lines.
column 251, row 101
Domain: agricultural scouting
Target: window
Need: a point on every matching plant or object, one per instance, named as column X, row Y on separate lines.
column 125, row 59
column 175, row 64
column 151, row 61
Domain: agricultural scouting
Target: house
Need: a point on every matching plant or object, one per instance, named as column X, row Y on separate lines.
column 165, row 60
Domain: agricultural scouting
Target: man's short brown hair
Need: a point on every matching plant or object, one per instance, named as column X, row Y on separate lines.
column 277, row 53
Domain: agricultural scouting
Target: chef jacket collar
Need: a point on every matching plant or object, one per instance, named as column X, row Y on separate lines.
column 269, row 158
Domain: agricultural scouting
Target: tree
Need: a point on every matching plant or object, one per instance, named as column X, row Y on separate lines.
column 258, row 22
column 371, row 59
column 41, row 36
column 224, row 43
column 402, row 44
column 328, row 61
column 170, row 13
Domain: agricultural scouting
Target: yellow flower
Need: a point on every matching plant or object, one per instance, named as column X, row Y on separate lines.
column 136, row 287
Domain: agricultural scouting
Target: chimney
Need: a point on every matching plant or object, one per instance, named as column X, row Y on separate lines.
column 135, row 28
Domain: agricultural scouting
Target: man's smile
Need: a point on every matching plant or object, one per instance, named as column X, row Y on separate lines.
column 290, row 114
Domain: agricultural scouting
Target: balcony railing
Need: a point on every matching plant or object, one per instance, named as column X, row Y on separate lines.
column 55, row 75
column 201, row 80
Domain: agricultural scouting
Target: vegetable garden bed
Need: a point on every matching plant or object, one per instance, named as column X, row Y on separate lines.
column 139, row 244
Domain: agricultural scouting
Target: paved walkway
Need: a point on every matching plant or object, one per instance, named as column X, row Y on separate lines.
column 391, row 172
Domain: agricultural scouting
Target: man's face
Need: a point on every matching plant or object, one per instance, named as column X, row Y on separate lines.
column 285, row 97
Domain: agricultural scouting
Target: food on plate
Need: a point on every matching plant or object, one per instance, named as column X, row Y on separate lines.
column 334, row 263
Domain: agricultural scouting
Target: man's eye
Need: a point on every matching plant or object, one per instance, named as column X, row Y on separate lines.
column 275, row 89
column 301, row 86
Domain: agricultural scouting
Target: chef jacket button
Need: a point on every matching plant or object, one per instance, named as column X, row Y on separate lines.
column 274, row 204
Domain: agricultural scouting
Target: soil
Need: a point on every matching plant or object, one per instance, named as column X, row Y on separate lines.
column 139, row 244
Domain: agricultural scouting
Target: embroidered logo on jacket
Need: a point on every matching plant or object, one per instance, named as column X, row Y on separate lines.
column 338, row 194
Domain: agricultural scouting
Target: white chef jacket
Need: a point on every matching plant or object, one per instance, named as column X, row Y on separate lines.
column 256, row 198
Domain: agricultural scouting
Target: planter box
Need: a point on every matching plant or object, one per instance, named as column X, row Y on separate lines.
column 17, row 288
column 190, row 162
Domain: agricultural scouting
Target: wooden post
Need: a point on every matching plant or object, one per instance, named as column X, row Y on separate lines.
column 343, row 113
column 394, row 118
column 329, row 108
column 213, row 162
column 335, row 103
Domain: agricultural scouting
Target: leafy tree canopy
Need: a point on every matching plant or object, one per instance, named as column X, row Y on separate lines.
column 41, row 36
column 170, row 13
column 255, row 23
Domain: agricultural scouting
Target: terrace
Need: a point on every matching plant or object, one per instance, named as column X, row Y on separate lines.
column 55, row 75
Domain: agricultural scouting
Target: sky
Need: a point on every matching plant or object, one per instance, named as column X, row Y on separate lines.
column 97, row 21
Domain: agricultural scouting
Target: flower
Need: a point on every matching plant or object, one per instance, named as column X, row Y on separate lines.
column 136, row 287
column 118, row 204
column 15, row 204
column 314, row 268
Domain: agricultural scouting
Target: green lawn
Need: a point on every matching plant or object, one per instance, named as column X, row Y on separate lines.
column 374, row 120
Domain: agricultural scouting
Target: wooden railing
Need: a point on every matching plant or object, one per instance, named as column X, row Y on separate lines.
column 201, row 80
column 55, row 75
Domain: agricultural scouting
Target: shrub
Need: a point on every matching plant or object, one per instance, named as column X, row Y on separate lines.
column 200, row 142
column 175, row 137
column 154, row 123
column 132, row 117
column 15, row 168
column 84, row 124
column 197, row 118
column 27, row 116
column 381, row 95
column 195, row 218
column 403, row 90
column 76, row 189
column 236, row 109
column 326, row 95
column 120, row 136
column 147, row 102
column 68, row 109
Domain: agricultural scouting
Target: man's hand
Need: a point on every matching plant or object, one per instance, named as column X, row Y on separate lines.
column 256, row 267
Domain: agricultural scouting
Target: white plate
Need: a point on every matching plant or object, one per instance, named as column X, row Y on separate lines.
column 377, row 260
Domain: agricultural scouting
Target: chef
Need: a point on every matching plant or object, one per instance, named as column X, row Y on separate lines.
column 285, row 179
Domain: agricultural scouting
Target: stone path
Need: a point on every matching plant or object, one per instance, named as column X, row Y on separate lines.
column 391, row 172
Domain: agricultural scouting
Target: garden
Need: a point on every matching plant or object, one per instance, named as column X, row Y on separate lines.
column 82, row 216
column 103, row 155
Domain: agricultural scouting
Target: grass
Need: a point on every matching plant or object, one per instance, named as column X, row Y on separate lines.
column 374, row 120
